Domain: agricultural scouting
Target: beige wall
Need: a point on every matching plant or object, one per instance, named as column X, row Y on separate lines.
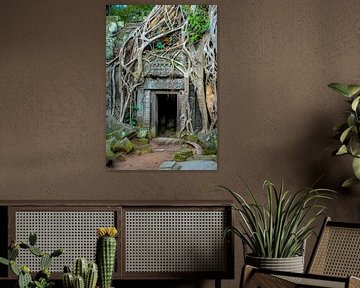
column 276, row 113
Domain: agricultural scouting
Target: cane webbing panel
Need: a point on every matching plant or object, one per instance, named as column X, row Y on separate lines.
column 338, row 252
column 74, row 231
column 175, row 241
column 313, row 282
column 260, row 280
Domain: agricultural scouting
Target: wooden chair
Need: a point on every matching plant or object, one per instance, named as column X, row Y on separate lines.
column 334, row 263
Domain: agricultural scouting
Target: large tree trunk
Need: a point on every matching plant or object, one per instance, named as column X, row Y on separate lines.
column 198, row 81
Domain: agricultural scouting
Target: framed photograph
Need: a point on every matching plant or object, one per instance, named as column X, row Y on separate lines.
column 161, row 87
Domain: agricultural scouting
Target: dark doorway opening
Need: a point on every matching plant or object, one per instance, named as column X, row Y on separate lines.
column 167, row 114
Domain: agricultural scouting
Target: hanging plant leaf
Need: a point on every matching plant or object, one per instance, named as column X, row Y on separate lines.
column 342, row 150
column 351, row 120
column 353, row 89
column 345, row 134
column 354, row 145
column 356, row 167
column 340, row 88
column 355, row 103
column 349, row 182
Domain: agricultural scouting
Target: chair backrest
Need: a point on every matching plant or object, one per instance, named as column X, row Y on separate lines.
column 337, row 251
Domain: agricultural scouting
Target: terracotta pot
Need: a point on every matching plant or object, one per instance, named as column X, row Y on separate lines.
column 291, row 264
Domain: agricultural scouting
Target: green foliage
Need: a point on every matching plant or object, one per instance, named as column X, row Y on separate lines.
column 129, row 13
column 198, row 23
column 279, row 229
column 43, row 283
column 42, row 278
column 348, row 132
column 130, row 118
column 159, row 45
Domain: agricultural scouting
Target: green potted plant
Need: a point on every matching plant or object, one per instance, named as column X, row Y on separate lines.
column 275, row 233
column 42, row 278
column 348, row 132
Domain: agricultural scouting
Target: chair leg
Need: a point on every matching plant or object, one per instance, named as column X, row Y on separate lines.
column 217, row 283
column 250, row 278
column 246, row 273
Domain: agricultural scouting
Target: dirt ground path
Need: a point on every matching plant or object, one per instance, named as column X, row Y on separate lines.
column 150, row 161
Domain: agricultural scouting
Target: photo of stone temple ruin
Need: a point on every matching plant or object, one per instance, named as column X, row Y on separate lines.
column 161, row 87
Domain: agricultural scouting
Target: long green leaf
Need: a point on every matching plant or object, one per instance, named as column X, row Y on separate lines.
column 349, row 182
column 342, row 150
column 345, row 134
column 340, row 88
column 353, row 89
column 279, row 228
column 355, row 103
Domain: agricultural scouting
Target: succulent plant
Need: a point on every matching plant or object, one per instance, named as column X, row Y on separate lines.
column 79, row 282
column 106, row 254
column 91, row 276
column 85, row 275
column 42, row 278
column 80, row 267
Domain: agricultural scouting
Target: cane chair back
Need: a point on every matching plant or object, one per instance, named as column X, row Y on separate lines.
column 335, row 262
column 337, row 252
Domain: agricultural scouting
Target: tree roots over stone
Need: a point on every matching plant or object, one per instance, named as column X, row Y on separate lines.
column 164, row 34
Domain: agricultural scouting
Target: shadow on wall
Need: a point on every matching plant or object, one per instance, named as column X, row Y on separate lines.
column 309, row 154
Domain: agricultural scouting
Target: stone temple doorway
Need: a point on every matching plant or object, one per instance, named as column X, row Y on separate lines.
column 165, row 114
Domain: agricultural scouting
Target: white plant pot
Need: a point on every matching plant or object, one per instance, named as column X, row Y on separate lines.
column 291, row 264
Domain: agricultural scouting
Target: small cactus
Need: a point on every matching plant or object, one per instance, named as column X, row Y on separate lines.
column 67, row 269
column 68, row 280
column 14, row 268
column 24, row 280
column 57, row 252
column 83, row 274
column 79, row 282
column 13, row 253
column 32, row 238
column 44, row 273
column 91, row 276
column 106, row 254
column 45, row 261
column 80, row 268
column 36, row 251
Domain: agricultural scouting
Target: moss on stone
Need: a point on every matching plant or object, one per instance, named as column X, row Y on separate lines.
column 205, row 157
column 144, row 149
column 183, row 154
column 120, row 157
column 123, row 145
column 139, row 142
column 192, row 138
column 109, row 154
column 142, row 133
column 209, row 151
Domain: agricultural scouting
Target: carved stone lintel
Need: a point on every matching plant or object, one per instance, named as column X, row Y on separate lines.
column 161, row 84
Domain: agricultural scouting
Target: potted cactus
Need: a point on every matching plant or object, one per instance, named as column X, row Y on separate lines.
column 84, row 275
column 42, row 278
column 106, row 254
